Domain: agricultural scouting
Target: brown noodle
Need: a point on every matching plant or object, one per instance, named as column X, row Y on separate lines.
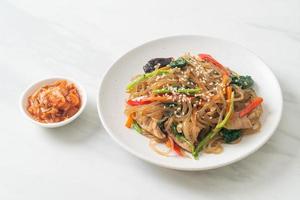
column 197, row 115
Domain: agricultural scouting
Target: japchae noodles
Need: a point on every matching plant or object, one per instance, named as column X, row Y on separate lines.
column 192, row 104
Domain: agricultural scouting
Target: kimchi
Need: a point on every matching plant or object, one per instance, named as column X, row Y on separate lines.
column 54, row 102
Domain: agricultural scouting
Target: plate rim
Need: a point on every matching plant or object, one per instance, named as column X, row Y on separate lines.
column 135, row 153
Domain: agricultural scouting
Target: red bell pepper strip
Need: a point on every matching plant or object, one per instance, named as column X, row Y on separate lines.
column 178, row 150
column 251, row 106
column 210, row 59
column 137, row 102
column 148, row 100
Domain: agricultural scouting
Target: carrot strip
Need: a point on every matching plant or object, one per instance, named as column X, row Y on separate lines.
column 218, row 65
column 225, row 79
column 228, row 96
column 129, row 121
column 228, row 92
column 251, row 106
column 170, row 143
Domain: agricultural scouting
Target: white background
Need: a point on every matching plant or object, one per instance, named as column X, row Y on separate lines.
column 81, row 39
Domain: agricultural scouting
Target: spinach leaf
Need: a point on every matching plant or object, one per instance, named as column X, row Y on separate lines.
column 230, row 135
column 180, row 63
column 243, row 81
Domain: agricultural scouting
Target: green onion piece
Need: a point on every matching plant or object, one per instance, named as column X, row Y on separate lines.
column 216, row 130
column 181, row 91
column 137, row 127
column 135, row 82
column 161, row 91
column 189, row 90
column 228, row 115
column 143, row 77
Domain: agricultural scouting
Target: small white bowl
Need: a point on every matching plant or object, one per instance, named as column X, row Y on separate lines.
column 33, row 87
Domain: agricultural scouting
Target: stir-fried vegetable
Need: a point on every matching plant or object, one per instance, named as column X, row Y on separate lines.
column 228, row 95
column 138, row 102
column 230, row 135
column 129, row 121
column 179, row 90
column 161, row 123
column 236, row 122
column 228, row 92
column 180, row 63
column 170, row 143
column 151, row 64
column 243, row 81
column 170, row 105
column 225, row 79
column 216, row 130
column 147, row 100
column 191, row 104
column 180, row 137
column 143, row 77
column 178, row 150
column 251, row 106
column 229, row 113
column 137, row 127
column 210, row 59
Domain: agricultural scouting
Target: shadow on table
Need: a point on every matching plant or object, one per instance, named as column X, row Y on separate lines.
column 80, row 130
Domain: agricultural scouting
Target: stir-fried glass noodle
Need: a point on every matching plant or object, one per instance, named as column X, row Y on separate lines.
column 192, row 104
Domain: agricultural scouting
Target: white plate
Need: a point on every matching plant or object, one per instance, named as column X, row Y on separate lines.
column 111, row 98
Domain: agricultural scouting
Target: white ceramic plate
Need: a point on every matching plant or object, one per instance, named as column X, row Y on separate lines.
column 111, row 98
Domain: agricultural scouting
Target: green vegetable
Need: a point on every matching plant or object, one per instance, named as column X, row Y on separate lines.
column 170, row 104
column 243, row 81
column 162, row 91
column 180, row 90
column 180, row 63
column 143, row 77
column 174, row 130
column 216, row 130
column 230, row 135
column 137, row 127
column 189, row 90
column 180, row 136
column 161, row 124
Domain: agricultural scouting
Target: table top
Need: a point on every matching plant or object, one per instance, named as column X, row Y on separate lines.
column 81, row 39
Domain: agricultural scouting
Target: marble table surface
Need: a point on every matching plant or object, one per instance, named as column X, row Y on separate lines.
column 81, row 39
